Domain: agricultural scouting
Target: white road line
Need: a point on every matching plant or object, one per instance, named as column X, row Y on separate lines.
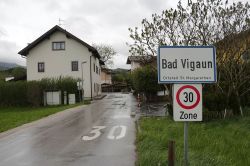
column 96, row 131
column 120, row 116
column 121, row 135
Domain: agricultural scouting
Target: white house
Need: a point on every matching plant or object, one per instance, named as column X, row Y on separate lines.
column 58, row 53
column 139, row 61
column 134, row 61
column 106, row 77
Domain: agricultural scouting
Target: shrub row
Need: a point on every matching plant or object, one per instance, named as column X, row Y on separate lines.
column 22, row 93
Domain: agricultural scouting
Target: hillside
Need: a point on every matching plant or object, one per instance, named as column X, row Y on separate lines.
column 18, row 72
column 6, row 66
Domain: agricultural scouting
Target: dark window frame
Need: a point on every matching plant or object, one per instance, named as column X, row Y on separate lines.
column 41, row 67
column 73, row 67
column 60, row 42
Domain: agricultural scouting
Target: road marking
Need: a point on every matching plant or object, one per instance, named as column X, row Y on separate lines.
column 121, row 135
column 120, row 116
column 96, row 131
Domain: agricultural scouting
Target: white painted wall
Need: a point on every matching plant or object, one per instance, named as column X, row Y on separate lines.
column 58, row 63
column 134, row 65
column 96, row 76
column 106, row 78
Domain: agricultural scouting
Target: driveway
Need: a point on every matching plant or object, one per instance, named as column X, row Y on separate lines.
column 100, row 134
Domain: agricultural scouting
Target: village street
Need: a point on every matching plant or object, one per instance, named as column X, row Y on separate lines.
column 102, row 133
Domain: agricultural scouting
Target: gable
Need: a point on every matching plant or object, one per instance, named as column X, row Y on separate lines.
column 25, row 51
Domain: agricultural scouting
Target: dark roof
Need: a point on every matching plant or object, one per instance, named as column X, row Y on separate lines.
column 46, row 35
column 101, row 62
column 106, row 70
column 140, row 59
column 120, row 70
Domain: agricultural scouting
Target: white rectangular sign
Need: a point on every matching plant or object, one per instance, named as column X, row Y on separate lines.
column 186, row 64
column 187, row 102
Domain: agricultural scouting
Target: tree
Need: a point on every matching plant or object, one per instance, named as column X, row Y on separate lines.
column 234, row 74
column 121, row 76
column 107, row 53
column 18, row 73
column 202, row 23
column 144, row 80
column 205, row 22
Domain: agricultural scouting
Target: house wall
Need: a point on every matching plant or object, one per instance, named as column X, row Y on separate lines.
column 106, row 78
column 58, row 63
column 134, row 65
column 96, row 76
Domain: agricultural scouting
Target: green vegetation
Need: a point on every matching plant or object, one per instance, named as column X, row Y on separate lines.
column 224, row 142
column 17, row 72
column 121, row 76
column 215, row 22
column 22, row 93
column 11, row 117
column 144, row 79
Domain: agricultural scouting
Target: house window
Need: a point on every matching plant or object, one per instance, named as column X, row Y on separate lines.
column 94, row 67
column 74, row 65
column 40, row 66
column 58, row 45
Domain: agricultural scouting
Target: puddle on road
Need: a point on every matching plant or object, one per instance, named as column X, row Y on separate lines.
column 119, row 102
column 114, row 97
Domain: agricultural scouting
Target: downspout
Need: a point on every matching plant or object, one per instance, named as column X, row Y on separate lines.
column 90, row 77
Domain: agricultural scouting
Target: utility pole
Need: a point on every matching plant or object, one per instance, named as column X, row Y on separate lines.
column 82, row 79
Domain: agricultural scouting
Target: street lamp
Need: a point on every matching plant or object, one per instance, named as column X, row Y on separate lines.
column 82, row 79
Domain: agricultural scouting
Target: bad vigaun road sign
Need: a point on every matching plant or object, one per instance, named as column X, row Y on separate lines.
column 186, row 64
column 187, row 104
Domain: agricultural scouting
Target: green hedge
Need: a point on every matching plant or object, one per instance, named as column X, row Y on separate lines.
column 144, row 80
column 13, row 93
column 22, row 93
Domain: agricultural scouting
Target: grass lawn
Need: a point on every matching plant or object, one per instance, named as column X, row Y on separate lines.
column 221, row 142
column 11, row 117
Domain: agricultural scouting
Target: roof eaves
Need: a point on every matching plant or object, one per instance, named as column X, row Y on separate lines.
column 128, row 60
column 26, row 50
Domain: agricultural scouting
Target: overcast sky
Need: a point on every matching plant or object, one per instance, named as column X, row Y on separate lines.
column 93, row 21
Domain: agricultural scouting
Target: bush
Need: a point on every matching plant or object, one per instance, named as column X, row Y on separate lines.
column 22, row 93
column 13, row 93
column 34, row 93
column 214, row 101
column 144, row 80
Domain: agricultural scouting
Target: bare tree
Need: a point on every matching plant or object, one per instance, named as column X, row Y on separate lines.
column 204, row 22
column 234, row 74
column 107, row 53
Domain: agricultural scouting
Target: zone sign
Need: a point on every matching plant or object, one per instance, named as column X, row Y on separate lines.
column 187, row 102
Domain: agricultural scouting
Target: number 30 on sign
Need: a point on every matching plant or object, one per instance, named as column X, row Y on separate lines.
column 187, row 102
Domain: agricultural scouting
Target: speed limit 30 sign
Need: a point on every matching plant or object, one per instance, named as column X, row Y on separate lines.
column 187, row 102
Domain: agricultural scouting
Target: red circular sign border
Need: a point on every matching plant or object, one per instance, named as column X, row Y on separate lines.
column 191, row 106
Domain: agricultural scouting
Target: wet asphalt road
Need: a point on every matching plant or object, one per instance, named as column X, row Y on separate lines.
column 100, row 134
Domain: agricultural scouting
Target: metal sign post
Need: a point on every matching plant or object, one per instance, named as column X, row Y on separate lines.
column 185, row 143
column 187, row 107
